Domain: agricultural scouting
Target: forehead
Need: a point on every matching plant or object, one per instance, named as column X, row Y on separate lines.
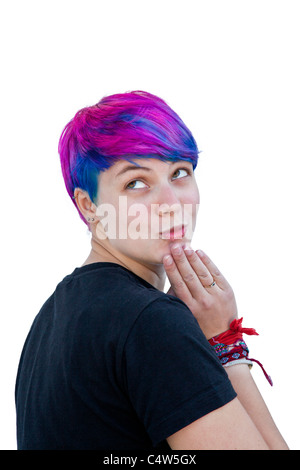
column 150, row 163
column 121, row 167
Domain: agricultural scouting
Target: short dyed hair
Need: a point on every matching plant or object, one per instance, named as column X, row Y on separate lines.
column 124, row 126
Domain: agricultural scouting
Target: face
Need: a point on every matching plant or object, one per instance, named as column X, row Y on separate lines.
column 145, row 208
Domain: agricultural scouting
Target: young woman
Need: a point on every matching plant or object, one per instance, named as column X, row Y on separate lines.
column 111, row 361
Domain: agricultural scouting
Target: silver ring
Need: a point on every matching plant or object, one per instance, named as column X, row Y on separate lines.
column 212, row 284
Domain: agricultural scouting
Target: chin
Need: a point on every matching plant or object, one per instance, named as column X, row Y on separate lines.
column 165, row 249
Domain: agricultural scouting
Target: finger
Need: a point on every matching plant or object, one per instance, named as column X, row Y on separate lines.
column 195, row 280
column 215, row 272
column 177, row 283
column 199, row 268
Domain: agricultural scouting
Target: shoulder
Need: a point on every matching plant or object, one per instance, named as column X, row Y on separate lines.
column 116, row 303
column 107, row 277
column 165, row 311
column 107, row 284
column 167, row 324
column 113, row 297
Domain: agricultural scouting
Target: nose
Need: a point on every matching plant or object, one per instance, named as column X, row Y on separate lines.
column 168, row 201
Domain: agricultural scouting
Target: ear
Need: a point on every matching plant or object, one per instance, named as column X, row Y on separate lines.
column 85, row 205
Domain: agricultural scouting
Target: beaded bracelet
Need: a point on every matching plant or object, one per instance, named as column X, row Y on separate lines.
column 231, row 349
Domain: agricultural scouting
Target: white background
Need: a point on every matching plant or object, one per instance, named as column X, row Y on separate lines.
column 231, row 71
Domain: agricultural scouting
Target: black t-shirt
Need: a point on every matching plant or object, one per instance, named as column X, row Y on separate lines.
column 110, row 363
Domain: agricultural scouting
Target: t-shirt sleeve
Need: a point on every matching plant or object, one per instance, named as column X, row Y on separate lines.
column 172, row 374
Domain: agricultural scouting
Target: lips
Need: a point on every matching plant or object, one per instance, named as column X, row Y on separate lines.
column 174, row 234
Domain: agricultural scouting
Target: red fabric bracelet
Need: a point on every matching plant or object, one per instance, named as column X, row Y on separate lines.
column 230, row 346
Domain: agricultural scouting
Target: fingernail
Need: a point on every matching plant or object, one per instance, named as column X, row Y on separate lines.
column 188, row 251
column 168, row 260
column 176, row 249
column 200, row 252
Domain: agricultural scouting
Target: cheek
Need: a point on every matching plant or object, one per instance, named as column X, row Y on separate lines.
column 192, row 196
column 191, row 200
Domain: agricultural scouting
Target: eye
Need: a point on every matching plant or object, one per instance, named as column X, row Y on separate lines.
column 180, row 173
column 136, row 184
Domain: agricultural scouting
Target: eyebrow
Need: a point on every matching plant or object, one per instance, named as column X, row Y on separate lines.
column 132, row 167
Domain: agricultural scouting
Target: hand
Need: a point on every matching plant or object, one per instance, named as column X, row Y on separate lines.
column 191, row 275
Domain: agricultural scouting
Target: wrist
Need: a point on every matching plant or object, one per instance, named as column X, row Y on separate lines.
column 231, row 348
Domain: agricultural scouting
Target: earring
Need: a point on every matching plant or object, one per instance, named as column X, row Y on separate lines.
column 90, row 219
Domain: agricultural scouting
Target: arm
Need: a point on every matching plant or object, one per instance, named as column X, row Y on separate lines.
column 243, row 424
column 251, row 399
column 227, row 428
column 246, row 421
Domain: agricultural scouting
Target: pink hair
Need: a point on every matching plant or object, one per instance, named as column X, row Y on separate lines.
column 121, row 126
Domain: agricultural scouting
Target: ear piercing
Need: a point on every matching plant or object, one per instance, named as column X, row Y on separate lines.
column 90, row 219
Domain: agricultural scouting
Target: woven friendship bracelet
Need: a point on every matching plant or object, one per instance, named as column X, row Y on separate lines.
column 231, row 349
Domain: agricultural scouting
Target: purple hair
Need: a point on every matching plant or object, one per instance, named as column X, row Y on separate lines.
column 123, row 126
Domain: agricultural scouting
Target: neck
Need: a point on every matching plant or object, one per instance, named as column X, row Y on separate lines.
column 153, row 274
